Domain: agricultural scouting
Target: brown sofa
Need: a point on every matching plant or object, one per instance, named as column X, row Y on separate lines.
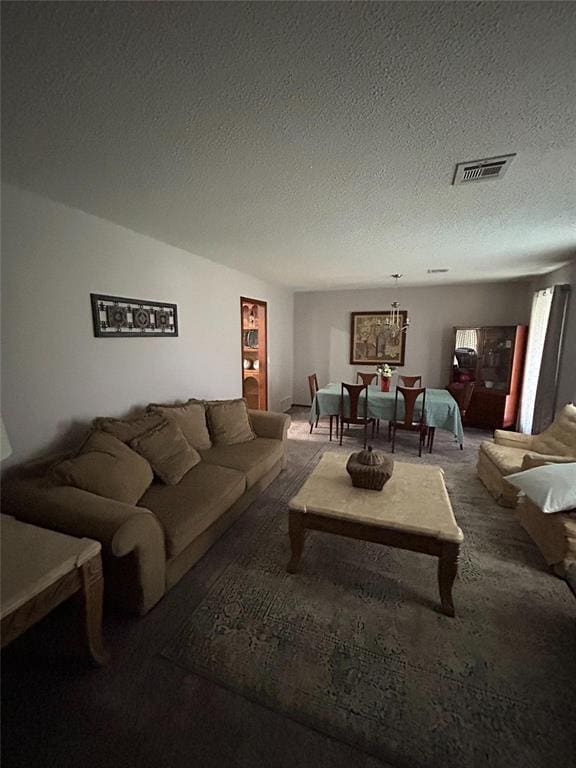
column 149, row 546
column 505, row 454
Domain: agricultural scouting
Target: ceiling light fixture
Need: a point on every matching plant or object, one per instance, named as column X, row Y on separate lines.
column 394, row 325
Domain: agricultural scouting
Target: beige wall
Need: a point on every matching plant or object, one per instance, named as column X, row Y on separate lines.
column 322, row 326
column 56, row 376
column 567, row 374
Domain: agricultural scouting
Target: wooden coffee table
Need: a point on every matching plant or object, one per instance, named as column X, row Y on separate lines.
column 41, row 569
column 412, row 511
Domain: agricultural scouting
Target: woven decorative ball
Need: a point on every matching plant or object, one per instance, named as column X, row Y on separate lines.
column 369, row 469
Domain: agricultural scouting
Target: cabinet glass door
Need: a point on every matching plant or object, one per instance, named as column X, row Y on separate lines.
column 465, row 362
column 495, row 355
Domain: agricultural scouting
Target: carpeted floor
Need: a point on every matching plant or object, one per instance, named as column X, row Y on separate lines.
column 354, row 646
column 346, row 664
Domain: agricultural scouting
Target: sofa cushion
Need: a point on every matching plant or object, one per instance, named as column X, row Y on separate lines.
column 254, row 458
column 126, row 430
column 169, row 453
column 560, row 437
column 106, row 467
column 228, row 422
column 555, row 534
column 508, row 460
column 190, row 417
column 532, row 460
column 551, row 487
column 186, row 510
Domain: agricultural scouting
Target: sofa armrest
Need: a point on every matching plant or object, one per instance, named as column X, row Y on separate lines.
column 269, row 424
column 121, row 528
column 512, row 439
column 531, row 461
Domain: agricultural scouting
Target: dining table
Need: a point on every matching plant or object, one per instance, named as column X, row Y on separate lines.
column 440, row 411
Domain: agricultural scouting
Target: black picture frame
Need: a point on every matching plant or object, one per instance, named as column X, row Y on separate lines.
column 126, row 328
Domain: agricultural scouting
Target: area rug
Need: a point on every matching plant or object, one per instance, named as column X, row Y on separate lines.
column 354, row 644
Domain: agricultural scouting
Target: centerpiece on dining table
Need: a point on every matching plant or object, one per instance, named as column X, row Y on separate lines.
column 385, row 372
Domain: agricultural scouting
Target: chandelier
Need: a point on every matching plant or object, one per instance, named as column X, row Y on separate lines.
column 394, row 325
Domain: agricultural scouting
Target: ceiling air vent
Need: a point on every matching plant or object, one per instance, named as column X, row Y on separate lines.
column 482, row 170
column 437, row 270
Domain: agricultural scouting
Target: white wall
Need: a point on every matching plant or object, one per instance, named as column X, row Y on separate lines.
column 56, row 375
column 322, row 327
column 567, row 373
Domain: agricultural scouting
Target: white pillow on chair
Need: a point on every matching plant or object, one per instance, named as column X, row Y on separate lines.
column 551, row 487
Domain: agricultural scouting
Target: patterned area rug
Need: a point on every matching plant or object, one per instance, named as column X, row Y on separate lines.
column 354, row 644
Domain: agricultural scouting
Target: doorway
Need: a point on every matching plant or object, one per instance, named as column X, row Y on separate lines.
column 254, row 320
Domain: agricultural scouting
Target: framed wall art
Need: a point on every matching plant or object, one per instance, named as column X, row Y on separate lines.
column 116, row 317
column 373, row 340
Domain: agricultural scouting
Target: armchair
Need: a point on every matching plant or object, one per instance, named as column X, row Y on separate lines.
column 505, row 454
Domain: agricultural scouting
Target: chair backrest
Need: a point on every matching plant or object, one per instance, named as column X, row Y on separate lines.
column 410, row 381
column 560, row 437
column 462, row 393
column 410, row 395
column 366, row 378
column 313, row 385
column 354, row 392
column 467, row 396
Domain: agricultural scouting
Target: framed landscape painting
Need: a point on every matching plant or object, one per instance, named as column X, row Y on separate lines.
column 371, row 341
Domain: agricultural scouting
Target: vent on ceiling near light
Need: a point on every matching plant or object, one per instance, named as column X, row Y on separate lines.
column 482, row 170
column 436, row 271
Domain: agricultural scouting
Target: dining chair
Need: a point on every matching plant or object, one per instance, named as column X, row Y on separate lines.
column 355, row 392
column 410, row 381
column 313, row 386
column 366, row 378
column 409, row 422
column 462, row 393
column 406, row 381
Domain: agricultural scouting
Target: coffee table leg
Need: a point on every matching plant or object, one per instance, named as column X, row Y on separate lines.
column 296, row 531
column 447, row 570
column 92, row 593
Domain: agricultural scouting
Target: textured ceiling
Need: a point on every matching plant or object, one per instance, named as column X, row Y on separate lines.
column 312, row 144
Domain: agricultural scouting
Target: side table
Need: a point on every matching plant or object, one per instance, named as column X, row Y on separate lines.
column 41, row 569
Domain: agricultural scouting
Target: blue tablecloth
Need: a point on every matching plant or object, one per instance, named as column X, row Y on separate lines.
column 441, row 408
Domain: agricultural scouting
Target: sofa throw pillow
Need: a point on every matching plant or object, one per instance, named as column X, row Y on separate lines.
column 106, row 467
column 551, row 487
column 168, row 452
column 190, row 417
column 126, row 430
column 228, row 422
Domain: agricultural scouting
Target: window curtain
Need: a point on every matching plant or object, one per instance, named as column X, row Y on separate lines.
column 541, row 304
column 547, row 389
column 542, row 364
column 467, row 338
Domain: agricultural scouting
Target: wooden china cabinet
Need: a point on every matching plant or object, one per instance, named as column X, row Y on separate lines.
column 254, row 353
column 493, row 358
